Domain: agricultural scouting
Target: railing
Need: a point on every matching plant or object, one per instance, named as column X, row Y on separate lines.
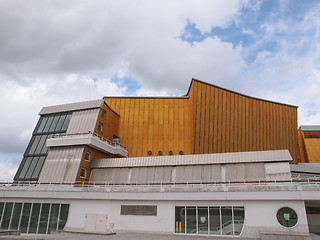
column 240, row 184
column 90, row 134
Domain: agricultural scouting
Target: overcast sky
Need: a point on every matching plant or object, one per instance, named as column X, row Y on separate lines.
column 54, row 52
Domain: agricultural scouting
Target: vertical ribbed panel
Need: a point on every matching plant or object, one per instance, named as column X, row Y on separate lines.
column 153, row 124
column 225, row 121
column 61, row 165
column 83, row 121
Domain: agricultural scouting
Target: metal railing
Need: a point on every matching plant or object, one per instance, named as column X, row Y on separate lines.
column 244, row 183
column 90, row 134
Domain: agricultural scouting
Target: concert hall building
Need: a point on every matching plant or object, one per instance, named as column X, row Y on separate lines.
column 211, row 162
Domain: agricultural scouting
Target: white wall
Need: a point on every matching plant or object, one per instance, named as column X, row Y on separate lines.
column 260, row 216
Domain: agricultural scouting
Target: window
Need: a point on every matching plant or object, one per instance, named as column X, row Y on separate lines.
column 100, row 127
column 287, row 217
column 103, row 114
column 170, row 153
column 83, row 173
column 33, row 217
column 36, row 152
column 209, row 220
column 87, row 157
column 139, row 210
column 160, row 153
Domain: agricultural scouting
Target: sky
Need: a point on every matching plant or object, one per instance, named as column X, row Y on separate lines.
column 56, row 52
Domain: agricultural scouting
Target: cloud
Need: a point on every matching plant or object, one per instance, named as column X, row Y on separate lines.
column 6, row 173
column 54, row 52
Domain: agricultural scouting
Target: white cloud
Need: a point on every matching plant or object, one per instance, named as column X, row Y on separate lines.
column 6, row 173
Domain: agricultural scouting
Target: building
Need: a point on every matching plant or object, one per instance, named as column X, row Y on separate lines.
column 309, row 144
column 204, row 163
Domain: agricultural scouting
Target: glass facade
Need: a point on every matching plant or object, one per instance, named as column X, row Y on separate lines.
column 39, row 218
column 226, row 220
column 37, row 150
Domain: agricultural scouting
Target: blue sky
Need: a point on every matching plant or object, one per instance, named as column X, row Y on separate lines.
column 54, row 52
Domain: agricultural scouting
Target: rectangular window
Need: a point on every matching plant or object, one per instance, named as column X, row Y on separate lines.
column 226, row 223
column 203, row 220
column 87, row 157
column 15, row 218
column 139, row 210
column 180, row 219
column 83, row 173
column 209, row 220
column 100, row 127
column 103, row 114
column 214, row 213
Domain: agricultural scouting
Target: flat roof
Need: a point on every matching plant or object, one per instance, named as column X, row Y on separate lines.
column 198, row 159
column 306, row 168
column 310, row 127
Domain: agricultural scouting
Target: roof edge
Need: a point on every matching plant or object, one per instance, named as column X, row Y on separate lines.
column 241, row 94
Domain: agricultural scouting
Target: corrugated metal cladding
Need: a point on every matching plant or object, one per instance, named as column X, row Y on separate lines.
column 61, row 165
column 216, row 158
column 195, row 173
column 72, row 107
column 83, row 121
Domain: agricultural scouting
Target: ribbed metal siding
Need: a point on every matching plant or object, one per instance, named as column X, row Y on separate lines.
column 219, row 158
column 72, row 107
column 83, row 121
column 194, row 173
column 61, row 165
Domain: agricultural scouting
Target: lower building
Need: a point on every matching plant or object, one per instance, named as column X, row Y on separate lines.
column 244, row 194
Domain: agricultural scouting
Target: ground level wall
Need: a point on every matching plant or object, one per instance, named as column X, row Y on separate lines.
column 260, row 216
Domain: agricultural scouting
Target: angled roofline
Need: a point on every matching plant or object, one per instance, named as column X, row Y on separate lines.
column 150, row 97
column 77, row 106
column 241, row 94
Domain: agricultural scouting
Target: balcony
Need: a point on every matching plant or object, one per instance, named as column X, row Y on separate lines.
column 89, row 139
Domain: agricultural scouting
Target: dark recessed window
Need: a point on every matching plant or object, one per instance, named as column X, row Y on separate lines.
column 287, row 217
column 139, row 210
column 170, row 153
column 103, row 114
column 181, row 153
column 87, row 156
column 100, row 127
column 160, row 153
column 83, row 173
column 149, row 153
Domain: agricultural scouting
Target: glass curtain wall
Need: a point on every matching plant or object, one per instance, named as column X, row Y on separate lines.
column 39, row 218
column 37, row 150
column 226, row 220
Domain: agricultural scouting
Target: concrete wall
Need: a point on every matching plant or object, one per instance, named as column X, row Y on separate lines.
column 260, row 216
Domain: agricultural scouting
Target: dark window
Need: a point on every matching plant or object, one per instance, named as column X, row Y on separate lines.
column 100, row 127
column 181, row 153
column 37, row 149
column 139, row 210
column 149, row 153
column 87, row 157
column 160, row 153
column 83, row 173
column 287, row 217
column 170, row 153
column 33, row 217
column 313, row 210
column 103, row 114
